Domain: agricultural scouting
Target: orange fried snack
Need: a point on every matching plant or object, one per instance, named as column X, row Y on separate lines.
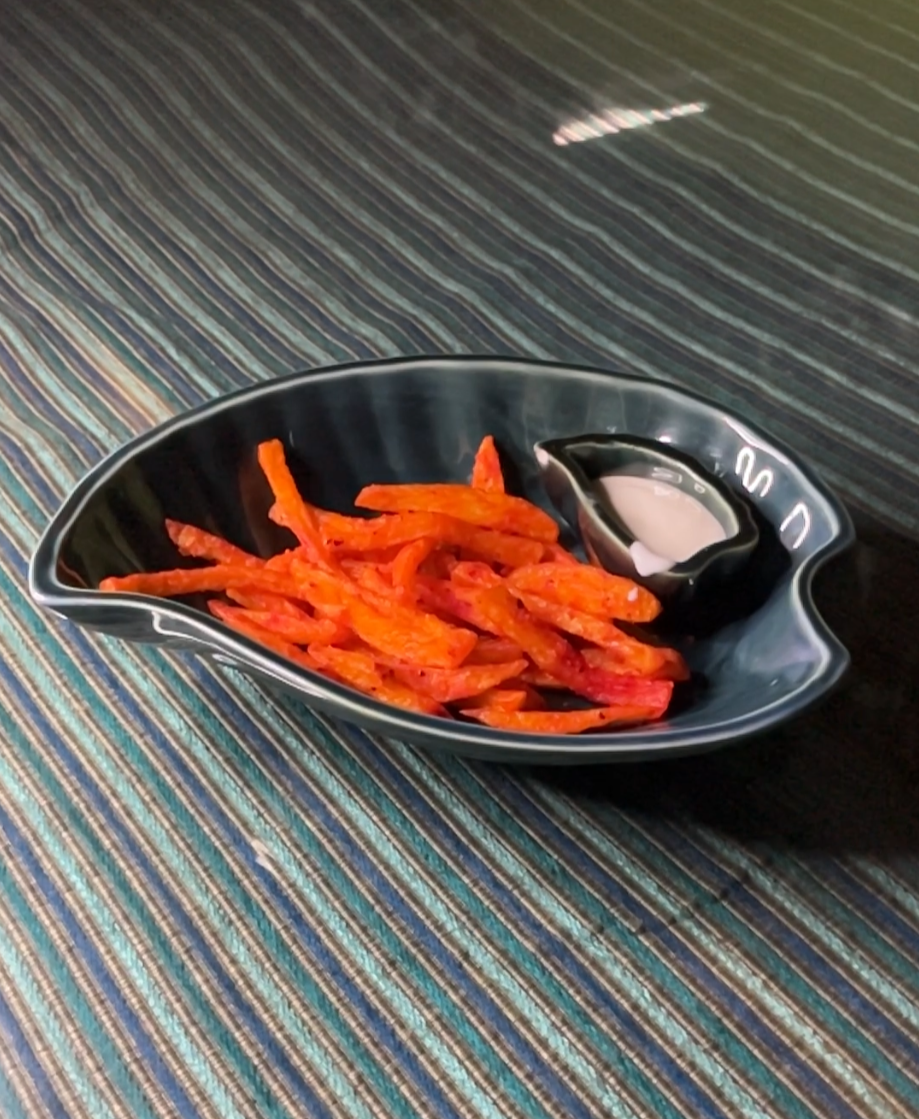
column 588, row 588
column 453, row 601
column 404, row 568
column 638, row 658
column 558, row 722
column 471, row 573
column 499, row 511
column 360, row 671
column 297, row 631
column 622, row 653
column 415, row 637
column 254, row 599
column 486, row 470
column 185, row 580
column 555, row 553
column 290, row 509
column 361, row 534
column 192, row 541
column 451, row 685
column 550, row 652
column 546, row 648
column 494, row 650
column 250, row 629
column 447, row 599
column 506, row 699
column 385, row 623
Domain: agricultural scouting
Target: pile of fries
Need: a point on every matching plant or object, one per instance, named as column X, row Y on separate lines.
column 455, row 600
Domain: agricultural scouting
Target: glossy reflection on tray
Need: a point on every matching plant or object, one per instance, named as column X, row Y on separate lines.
column 421, row 421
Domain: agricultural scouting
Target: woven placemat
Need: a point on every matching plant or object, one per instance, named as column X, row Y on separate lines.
column 214, row 903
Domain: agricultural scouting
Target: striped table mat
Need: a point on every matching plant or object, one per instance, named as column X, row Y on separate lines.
column 216, row 905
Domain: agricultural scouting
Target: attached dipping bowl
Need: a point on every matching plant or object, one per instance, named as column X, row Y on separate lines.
column 649, row 511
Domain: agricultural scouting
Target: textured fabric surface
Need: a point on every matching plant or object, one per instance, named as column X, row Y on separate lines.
column 213, row 904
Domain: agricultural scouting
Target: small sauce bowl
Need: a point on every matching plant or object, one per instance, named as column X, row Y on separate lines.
column 648, row 511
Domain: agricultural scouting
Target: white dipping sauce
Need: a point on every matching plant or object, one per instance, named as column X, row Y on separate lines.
column 668, row 525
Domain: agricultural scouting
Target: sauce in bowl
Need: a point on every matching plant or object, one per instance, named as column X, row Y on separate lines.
column 668, row 525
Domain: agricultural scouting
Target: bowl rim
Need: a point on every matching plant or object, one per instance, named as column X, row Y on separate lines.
column 662, row 739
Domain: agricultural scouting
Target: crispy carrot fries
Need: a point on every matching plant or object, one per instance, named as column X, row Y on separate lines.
column 453, row 601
